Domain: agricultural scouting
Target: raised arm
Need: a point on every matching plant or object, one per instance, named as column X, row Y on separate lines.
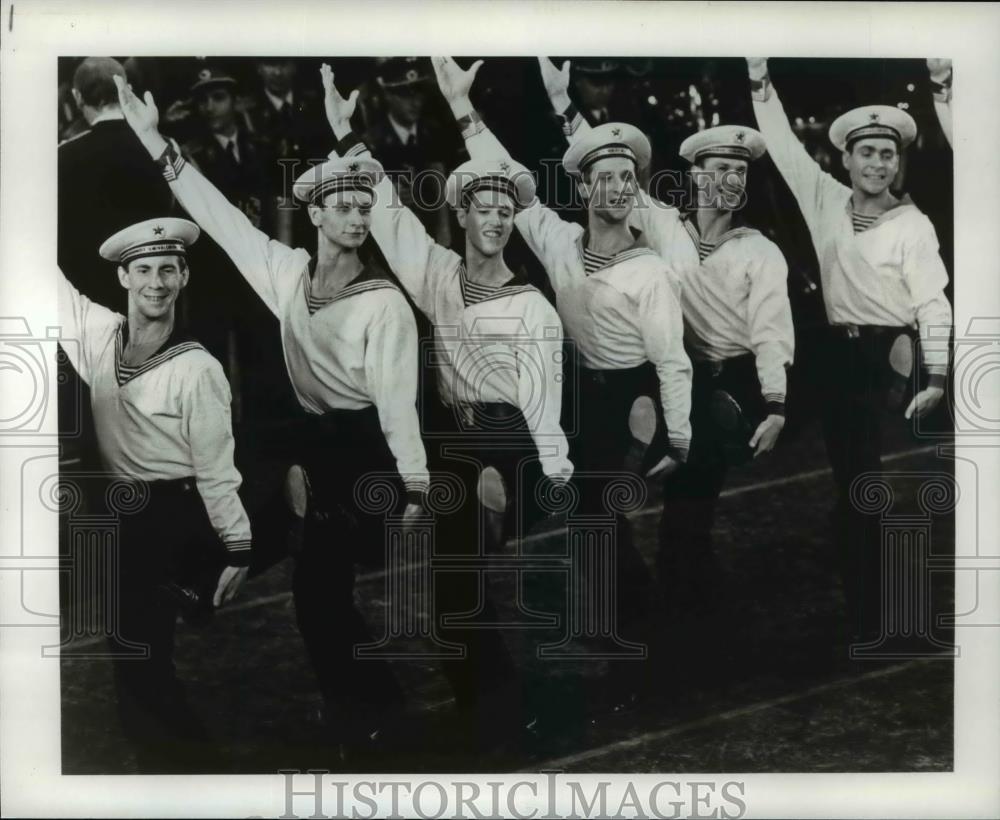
column 391, row 372
column 262, row 261
column 941, row 77
column 548, row 236
column 660, row 224
column 84, row 325
column 540, row 400
column 772, row 339
column 812, row 187
column 416, row 259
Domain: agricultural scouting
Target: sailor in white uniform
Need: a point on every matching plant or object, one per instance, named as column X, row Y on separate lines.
column 738, row 331
column 620, row 304
column 350, row 346
column 161, row 410
column 498, row 350
column 883, row 282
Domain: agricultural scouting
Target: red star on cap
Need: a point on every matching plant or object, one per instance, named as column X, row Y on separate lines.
column 353, row 167
column 616, row 131
column 740, row 136
column 873, row 117
column 505, row 167
column 158, row 231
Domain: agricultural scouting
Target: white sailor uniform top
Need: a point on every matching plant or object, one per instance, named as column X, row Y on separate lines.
column 734, row 291
column 736, row 302
column 889, row 274
column 165, row 419
column 500, row 344
column 622, row 314
column 352, row 351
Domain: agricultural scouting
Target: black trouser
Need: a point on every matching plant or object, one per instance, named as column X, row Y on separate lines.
column 473, row 438
column 857, row 381
column 341, row 447
column 686, row 563
column 598, row 454
column 170, row 539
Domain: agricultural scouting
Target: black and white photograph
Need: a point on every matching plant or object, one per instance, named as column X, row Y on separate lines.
column 575, row 406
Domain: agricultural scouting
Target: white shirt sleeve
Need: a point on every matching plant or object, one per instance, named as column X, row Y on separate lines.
column 551, row 238
column 813, row 188
column 769, row 319
column 208, row 429
column 542, row 412
column 85, row 326
column 926, row 277
column 391, row 372
column 662, row 327
column 259, row 259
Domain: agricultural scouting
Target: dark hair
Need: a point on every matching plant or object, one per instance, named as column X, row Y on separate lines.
column 93, row 80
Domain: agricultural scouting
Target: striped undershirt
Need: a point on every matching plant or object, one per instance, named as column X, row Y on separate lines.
column 475, row 292
column 861, row 222
column 127, row 371
column 704, row 249
column 592, row 261
column 315, row 303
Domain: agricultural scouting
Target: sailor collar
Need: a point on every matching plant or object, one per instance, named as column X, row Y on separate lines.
column 637, row 248
column 371, row 277
column 691, row 226
column 474, row 293
column 175, row 344
column 904, row 206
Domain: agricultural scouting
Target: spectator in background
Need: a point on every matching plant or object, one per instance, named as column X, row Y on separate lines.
column 105, row 183
column 594, row 82
column 416, row 149
column 290, row 119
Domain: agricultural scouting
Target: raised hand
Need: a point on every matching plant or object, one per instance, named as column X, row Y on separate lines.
column 556, row 82
column 453, row 81
column 338, row 110
column 757, row 67
column 142, row 117
column 939, row 67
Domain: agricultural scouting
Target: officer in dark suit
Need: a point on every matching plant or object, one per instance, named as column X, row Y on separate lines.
column 416, row 149
column 105, row 183
column 290, row 119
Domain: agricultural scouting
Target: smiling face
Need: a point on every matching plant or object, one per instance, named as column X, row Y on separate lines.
column 344, row 218
column 488, row 220
column 722, row 183
column 218, row 109
column 153, row 283
column 609, row 187
column 872, row 164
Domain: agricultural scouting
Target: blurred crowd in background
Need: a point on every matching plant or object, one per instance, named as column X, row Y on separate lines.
column 252, row 125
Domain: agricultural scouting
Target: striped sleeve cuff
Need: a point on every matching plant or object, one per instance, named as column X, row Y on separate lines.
column 678, row 448
column 775, row 404
column 238, row 552
column 937, row 378
column 350, row 146
column 571, row 120
column 760, row 90
column 171, row 162
column 470, row 124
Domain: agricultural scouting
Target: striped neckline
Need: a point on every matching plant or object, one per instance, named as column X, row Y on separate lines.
column 473, row 293
column 175, row 345
column 370, row 278
column 861, row 222
column 707, row 248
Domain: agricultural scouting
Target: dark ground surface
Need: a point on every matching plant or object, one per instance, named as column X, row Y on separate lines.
column 768, row 686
